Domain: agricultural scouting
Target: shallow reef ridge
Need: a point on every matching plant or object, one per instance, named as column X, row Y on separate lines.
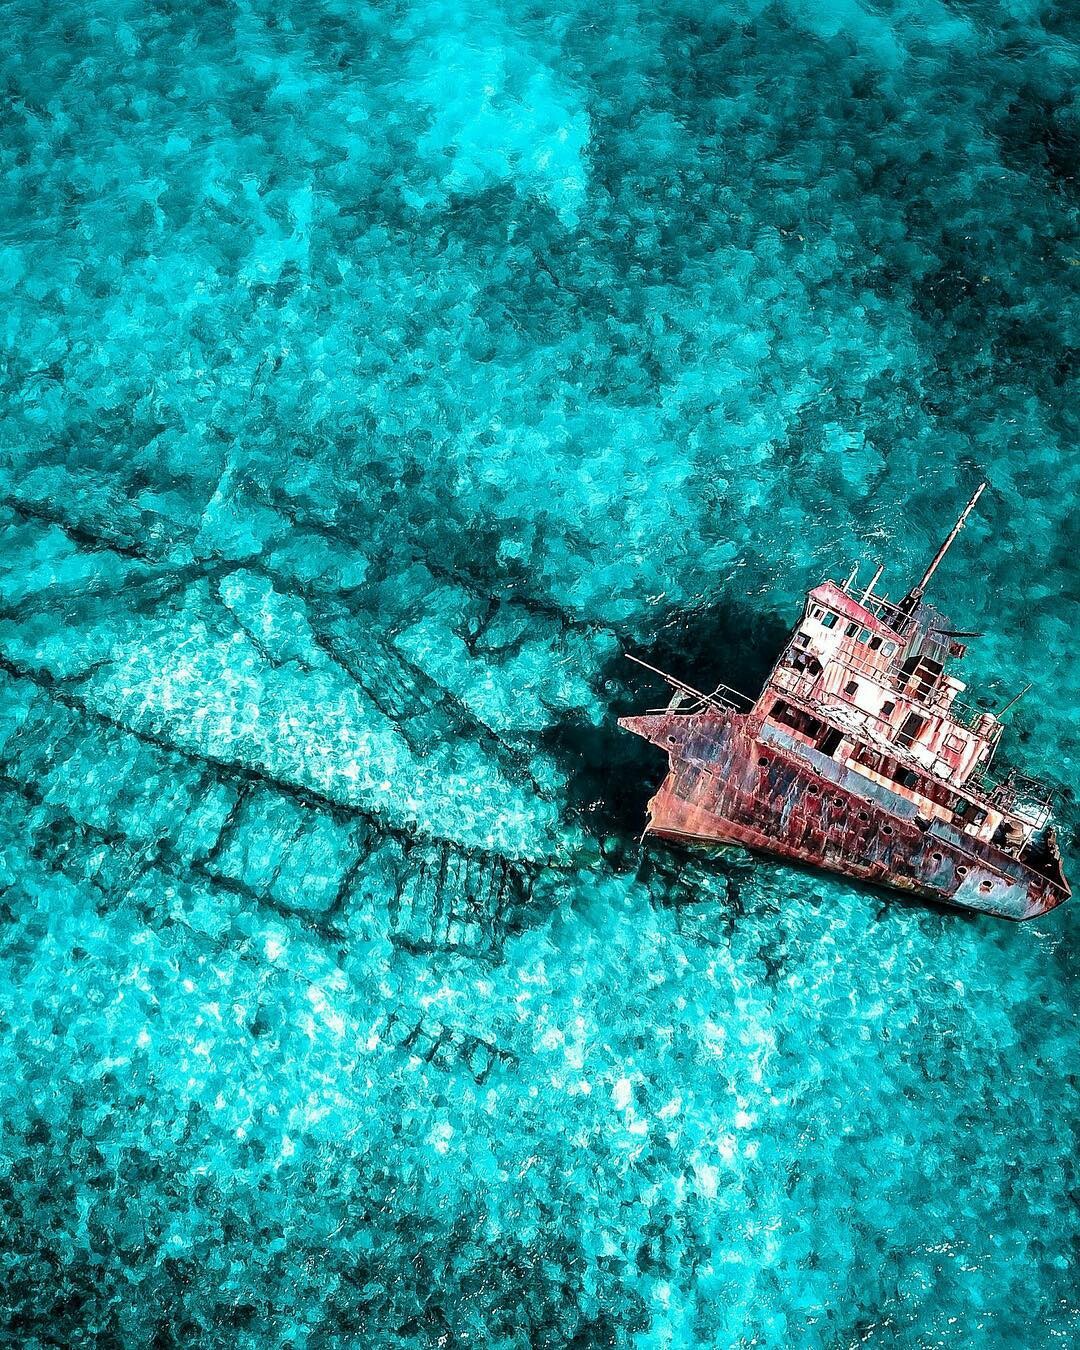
column 373, row 377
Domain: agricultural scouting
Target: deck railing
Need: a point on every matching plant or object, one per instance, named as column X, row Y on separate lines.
column 966, row 714
column 874, row 604
column 723, row 697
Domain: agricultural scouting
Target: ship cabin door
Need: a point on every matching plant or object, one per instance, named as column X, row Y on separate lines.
column 910, row 730
column 830, row 742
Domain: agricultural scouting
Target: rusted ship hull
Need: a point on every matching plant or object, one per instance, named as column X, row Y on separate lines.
column 733, row 780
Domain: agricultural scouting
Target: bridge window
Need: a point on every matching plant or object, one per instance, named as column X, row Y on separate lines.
column 864, row 635
column 851, row 630
column 828, row 620
column 875, row 643
column 887, row 648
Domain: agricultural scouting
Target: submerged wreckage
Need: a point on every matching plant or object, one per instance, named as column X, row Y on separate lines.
column 857, row 757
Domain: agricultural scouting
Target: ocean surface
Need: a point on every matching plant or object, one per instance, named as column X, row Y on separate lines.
column 373, row 377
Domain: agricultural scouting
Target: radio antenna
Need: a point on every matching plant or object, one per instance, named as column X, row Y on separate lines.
column 1013, row 701
column 916, row 593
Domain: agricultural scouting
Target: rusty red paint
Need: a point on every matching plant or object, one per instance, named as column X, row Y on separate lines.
column 718, row 791
column 857, row 758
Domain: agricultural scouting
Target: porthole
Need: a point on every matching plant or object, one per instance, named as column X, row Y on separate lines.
column 763, row 760
column 985, row 887
column 839, row 801
column 886, row 829
column 961, row 871
column 812, row 789
column 863, row 815
column 935, row 857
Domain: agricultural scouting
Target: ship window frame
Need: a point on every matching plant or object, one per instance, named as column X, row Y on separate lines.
column 937, row 857
column 762, row 761
column 886, row 829
column 887, row 647
column 863, row 636
column 851, row 688
column 888, row 707
column 851, row 630
column 812, row 789
column 864, row 815
column 954, row 742
column 829, row 619
column 985, row 887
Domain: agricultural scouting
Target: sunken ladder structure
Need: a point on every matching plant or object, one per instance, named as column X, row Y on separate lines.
column 858, row 758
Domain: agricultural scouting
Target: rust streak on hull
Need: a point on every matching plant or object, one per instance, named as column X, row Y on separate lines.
column 733, row 781
column 858, row 757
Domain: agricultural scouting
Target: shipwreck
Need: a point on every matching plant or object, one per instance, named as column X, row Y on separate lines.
column 859, row 758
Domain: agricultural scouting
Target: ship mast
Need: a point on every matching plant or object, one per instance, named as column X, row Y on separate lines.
column 1013, row 701
column 873, row 582
column 911, row 601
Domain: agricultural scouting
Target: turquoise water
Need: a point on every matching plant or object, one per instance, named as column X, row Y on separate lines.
column 372, row 378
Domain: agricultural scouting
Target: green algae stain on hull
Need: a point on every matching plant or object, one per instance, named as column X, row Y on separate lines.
column 371, row 378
